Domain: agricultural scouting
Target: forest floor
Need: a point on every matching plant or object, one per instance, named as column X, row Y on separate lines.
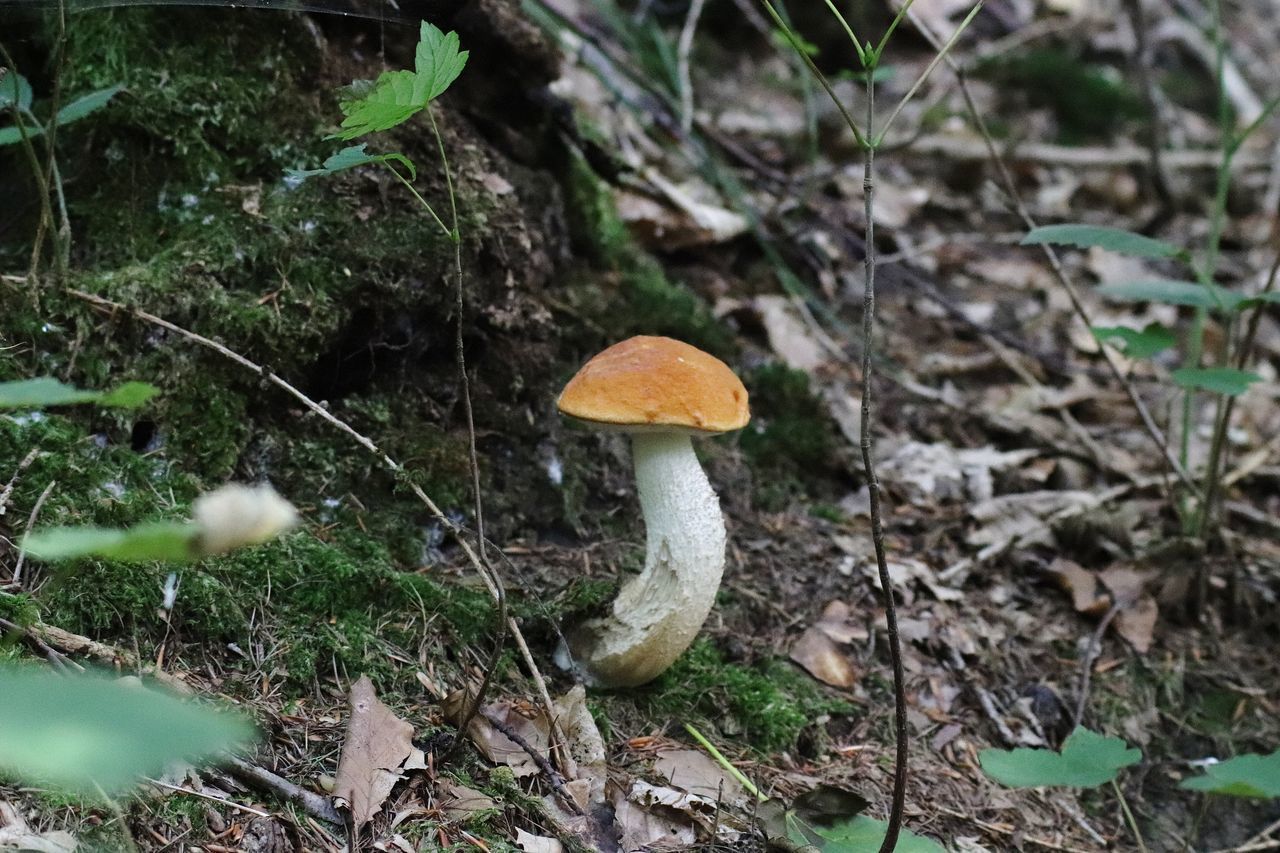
column 662, row 168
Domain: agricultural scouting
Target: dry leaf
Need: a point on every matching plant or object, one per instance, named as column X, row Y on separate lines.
column 16, row 835
column 459, row 801
column 1082, row 584
column 821, row 658
column 789, row 336
column 377, row 749
column 693, row 771
column 1136, row 621
column 530, row 843
column 837, row 623
column 585, row 745
column 496, row 746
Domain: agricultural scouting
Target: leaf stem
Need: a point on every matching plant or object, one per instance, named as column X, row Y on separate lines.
column 1128, row 816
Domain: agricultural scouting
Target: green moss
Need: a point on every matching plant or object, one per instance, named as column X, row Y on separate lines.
column 766, row 705
column 1089, row 100
column 790, row 432
column 650, row 302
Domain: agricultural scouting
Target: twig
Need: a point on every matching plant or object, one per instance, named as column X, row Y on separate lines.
column 1155, row 124
column 7, row 492
column 683, row 48
column 553, row 776
column 55, row 657
column 873, row 488
column 1090, row 652
column 965, row 148
column 262, row 779
column 16, row 580
column 202, row 795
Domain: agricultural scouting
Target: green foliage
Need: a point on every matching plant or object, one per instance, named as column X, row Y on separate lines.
column 1112, row 239
column 46, row 391
column 350, row 158
column 85, row 732
column 20, row 91
column 1087, row 760
column 397, row 96
column 168, row 541
column 1147, row 342
column 863, row 834
column 1250, row 775
column 1219, row 380
column 1088, row 100
column 1171, row 293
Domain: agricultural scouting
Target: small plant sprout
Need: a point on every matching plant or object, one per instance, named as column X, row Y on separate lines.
column 661, row 392
column 233, row 516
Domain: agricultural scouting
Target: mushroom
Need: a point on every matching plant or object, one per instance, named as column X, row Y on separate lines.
column 662, row 392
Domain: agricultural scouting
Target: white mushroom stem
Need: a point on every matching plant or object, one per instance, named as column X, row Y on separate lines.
column 658, row 613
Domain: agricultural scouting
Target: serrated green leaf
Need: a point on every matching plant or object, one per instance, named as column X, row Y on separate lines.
column 1137, row 343
column 438, row 61
column 1087, row 760
column 47, row 391
column 170, row 541
column 349, row 158
column 1249, row 775
column 87, row 104
column 863, row 834
column 1219, row 380
column 397, row 96
column 1111, row 239
column 1168, row 292
column 83, row 732
column 14, row 88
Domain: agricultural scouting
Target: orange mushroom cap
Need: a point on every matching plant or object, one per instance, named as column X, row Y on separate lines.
column 650, row 383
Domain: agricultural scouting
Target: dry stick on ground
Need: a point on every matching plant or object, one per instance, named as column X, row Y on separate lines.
column 1055, row 264
column 7, row 491
column 449, row 524
column 1091, row 651
column 683, row 48
column 16, row 580
column 261, row 779
column 553, row 776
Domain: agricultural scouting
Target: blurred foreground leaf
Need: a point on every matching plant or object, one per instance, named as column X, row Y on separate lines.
column 47, row 391
column 170, row 541
column 88, row 731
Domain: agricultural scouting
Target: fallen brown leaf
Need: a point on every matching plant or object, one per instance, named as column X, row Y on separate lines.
column 377, row 750
column 822, row 658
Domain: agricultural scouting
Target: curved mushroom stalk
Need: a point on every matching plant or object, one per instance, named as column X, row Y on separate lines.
column 658, row 613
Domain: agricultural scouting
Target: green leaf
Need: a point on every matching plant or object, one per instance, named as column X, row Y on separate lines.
column 1111, row 239
column 170, row 541
column 863, row 834
column 14, row 88
column 438, row 61
column 87, row 104
column 81, row 732
column 1145, row 343
column 397, row 96
column 47, row 391
column 1171, row 293
column 1087, row 760
column 1269, row 298
column 1249, row 775
column 130, row 395
column 349, row 158
column 1219, row 380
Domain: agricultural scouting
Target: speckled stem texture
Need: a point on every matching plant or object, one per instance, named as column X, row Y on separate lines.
column 658, row 613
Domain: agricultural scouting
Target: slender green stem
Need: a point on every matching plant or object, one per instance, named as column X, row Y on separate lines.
column 941, row 54
column 817, row 73
column 471, row 708
column 724, row 762
column 888, row 34
column 863, row 57
column 422, row 201
column 37, row 172
column 1128, row 816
